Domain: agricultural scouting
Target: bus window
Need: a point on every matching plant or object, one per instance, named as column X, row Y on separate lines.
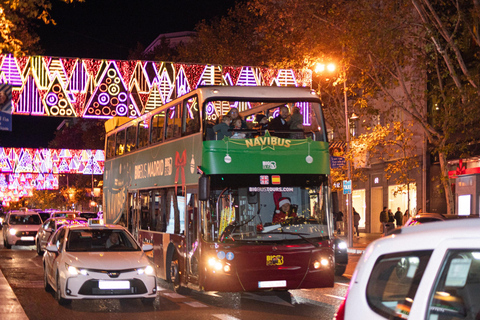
column 120, row 146
column 175, row 215
column 192, row 115
column 131, row 139
column 110, row 146
column 174, row 118
column 142, row 134
column 157, row 127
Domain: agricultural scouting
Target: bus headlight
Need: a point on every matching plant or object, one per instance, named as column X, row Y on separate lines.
column 217, row 265
column 322, row 262
column 342, row 245
column 12, row 231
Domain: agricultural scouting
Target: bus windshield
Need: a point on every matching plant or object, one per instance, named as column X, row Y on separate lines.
column 267, row 214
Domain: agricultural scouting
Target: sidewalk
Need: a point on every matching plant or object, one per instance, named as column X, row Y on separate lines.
column 359, row 244
column 10, row 308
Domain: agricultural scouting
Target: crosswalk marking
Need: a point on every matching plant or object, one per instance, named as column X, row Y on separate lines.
column 196, row 304
column 336, row 297
column 224, row 317
column 173, row 295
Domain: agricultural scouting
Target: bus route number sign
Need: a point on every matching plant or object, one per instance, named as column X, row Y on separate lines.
column 347, row 186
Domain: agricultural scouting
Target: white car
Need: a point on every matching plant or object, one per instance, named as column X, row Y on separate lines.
column 20, row 228
column 98, row 261
column 48, row 228
column 430, row 271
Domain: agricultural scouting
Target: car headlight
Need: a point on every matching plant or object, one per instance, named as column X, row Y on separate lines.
column 147, row 270
column 75, row 271
column 12, row 231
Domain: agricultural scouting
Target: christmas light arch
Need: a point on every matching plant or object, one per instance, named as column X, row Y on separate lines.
column 25, row 169
column 95, row 88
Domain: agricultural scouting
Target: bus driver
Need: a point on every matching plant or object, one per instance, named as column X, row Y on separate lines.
column 285, row 211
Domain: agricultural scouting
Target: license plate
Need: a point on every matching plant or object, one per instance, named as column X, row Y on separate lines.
column 113, row 284
column 272, row 284
column 27, row 238
column 274, row 260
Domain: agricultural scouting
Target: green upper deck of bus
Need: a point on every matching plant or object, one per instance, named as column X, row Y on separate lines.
column 196, row 113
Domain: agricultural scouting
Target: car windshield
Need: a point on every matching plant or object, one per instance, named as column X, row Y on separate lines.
column 255, row 214
column 19, row 219
column 100, row 240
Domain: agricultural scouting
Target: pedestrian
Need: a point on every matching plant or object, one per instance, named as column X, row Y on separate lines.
column 384, row 218
column 356, row 221
column 398, row 217
column 391, row 218
column 339, row 222
column 406, row 216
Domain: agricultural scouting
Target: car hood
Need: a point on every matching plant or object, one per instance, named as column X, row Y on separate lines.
column 107, row 260
column 25, row 227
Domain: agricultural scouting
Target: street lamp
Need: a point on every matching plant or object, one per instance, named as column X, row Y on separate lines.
column 320, row 68
column 349, row 169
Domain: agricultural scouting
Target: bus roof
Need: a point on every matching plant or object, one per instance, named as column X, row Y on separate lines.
column 256, row 92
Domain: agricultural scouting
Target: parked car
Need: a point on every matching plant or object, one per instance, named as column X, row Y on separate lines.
column 20, row 228
column 50, row 226
column 97, row 261
column 431, row 271
column 432, row 217
column 341, row 256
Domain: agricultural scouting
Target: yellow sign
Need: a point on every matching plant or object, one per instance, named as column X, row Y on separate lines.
column 274, row 260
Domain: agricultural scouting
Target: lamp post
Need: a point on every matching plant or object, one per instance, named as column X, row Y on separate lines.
column 349, row 170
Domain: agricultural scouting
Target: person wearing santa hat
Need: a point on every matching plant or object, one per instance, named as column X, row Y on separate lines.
column 284, row 211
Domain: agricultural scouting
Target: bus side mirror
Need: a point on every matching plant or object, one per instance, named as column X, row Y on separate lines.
column 204, row 188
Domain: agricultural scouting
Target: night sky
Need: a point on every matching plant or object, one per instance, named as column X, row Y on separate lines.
column 106, row 29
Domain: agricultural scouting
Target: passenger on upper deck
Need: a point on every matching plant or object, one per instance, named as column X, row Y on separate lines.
column 261, row 122
column 280, row 123
column 234, row 114
column 238, row 126
column 222, row 128
column 296, row 123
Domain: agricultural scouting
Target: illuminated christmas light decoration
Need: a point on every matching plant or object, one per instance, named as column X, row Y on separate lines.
column 95, row 88
column 24, row 169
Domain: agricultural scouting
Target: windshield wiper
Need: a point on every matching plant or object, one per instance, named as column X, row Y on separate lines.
column 232, row 227
column 300, row 235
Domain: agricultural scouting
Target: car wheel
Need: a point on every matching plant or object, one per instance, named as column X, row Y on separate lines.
column 46, row 285
column 6, row 244
column 58, row 295
column 340, row 270
column 39, row 249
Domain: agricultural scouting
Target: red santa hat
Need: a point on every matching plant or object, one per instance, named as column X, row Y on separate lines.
column 276, row 197
column 283, row 201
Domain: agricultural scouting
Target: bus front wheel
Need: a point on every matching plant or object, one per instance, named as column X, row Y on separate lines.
column 174, row 276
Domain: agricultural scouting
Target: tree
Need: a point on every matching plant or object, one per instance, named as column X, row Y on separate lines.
column 419, row 57
column 18, row 20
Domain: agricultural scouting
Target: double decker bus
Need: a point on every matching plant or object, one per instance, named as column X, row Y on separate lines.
column 207, row 205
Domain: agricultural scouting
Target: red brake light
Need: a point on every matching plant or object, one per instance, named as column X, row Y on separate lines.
column 340, row 314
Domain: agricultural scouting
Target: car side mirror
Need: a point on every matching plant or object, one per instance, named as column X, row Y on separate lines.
column 53, row 248
column 147, row 247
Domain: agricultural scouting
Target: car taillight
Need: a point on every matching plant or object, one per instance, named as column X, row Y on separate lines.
column 340, row 314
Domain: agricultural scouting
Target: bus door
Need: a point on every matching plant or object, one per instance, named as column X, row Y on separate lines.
column 133, row 214
column 193, row 250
